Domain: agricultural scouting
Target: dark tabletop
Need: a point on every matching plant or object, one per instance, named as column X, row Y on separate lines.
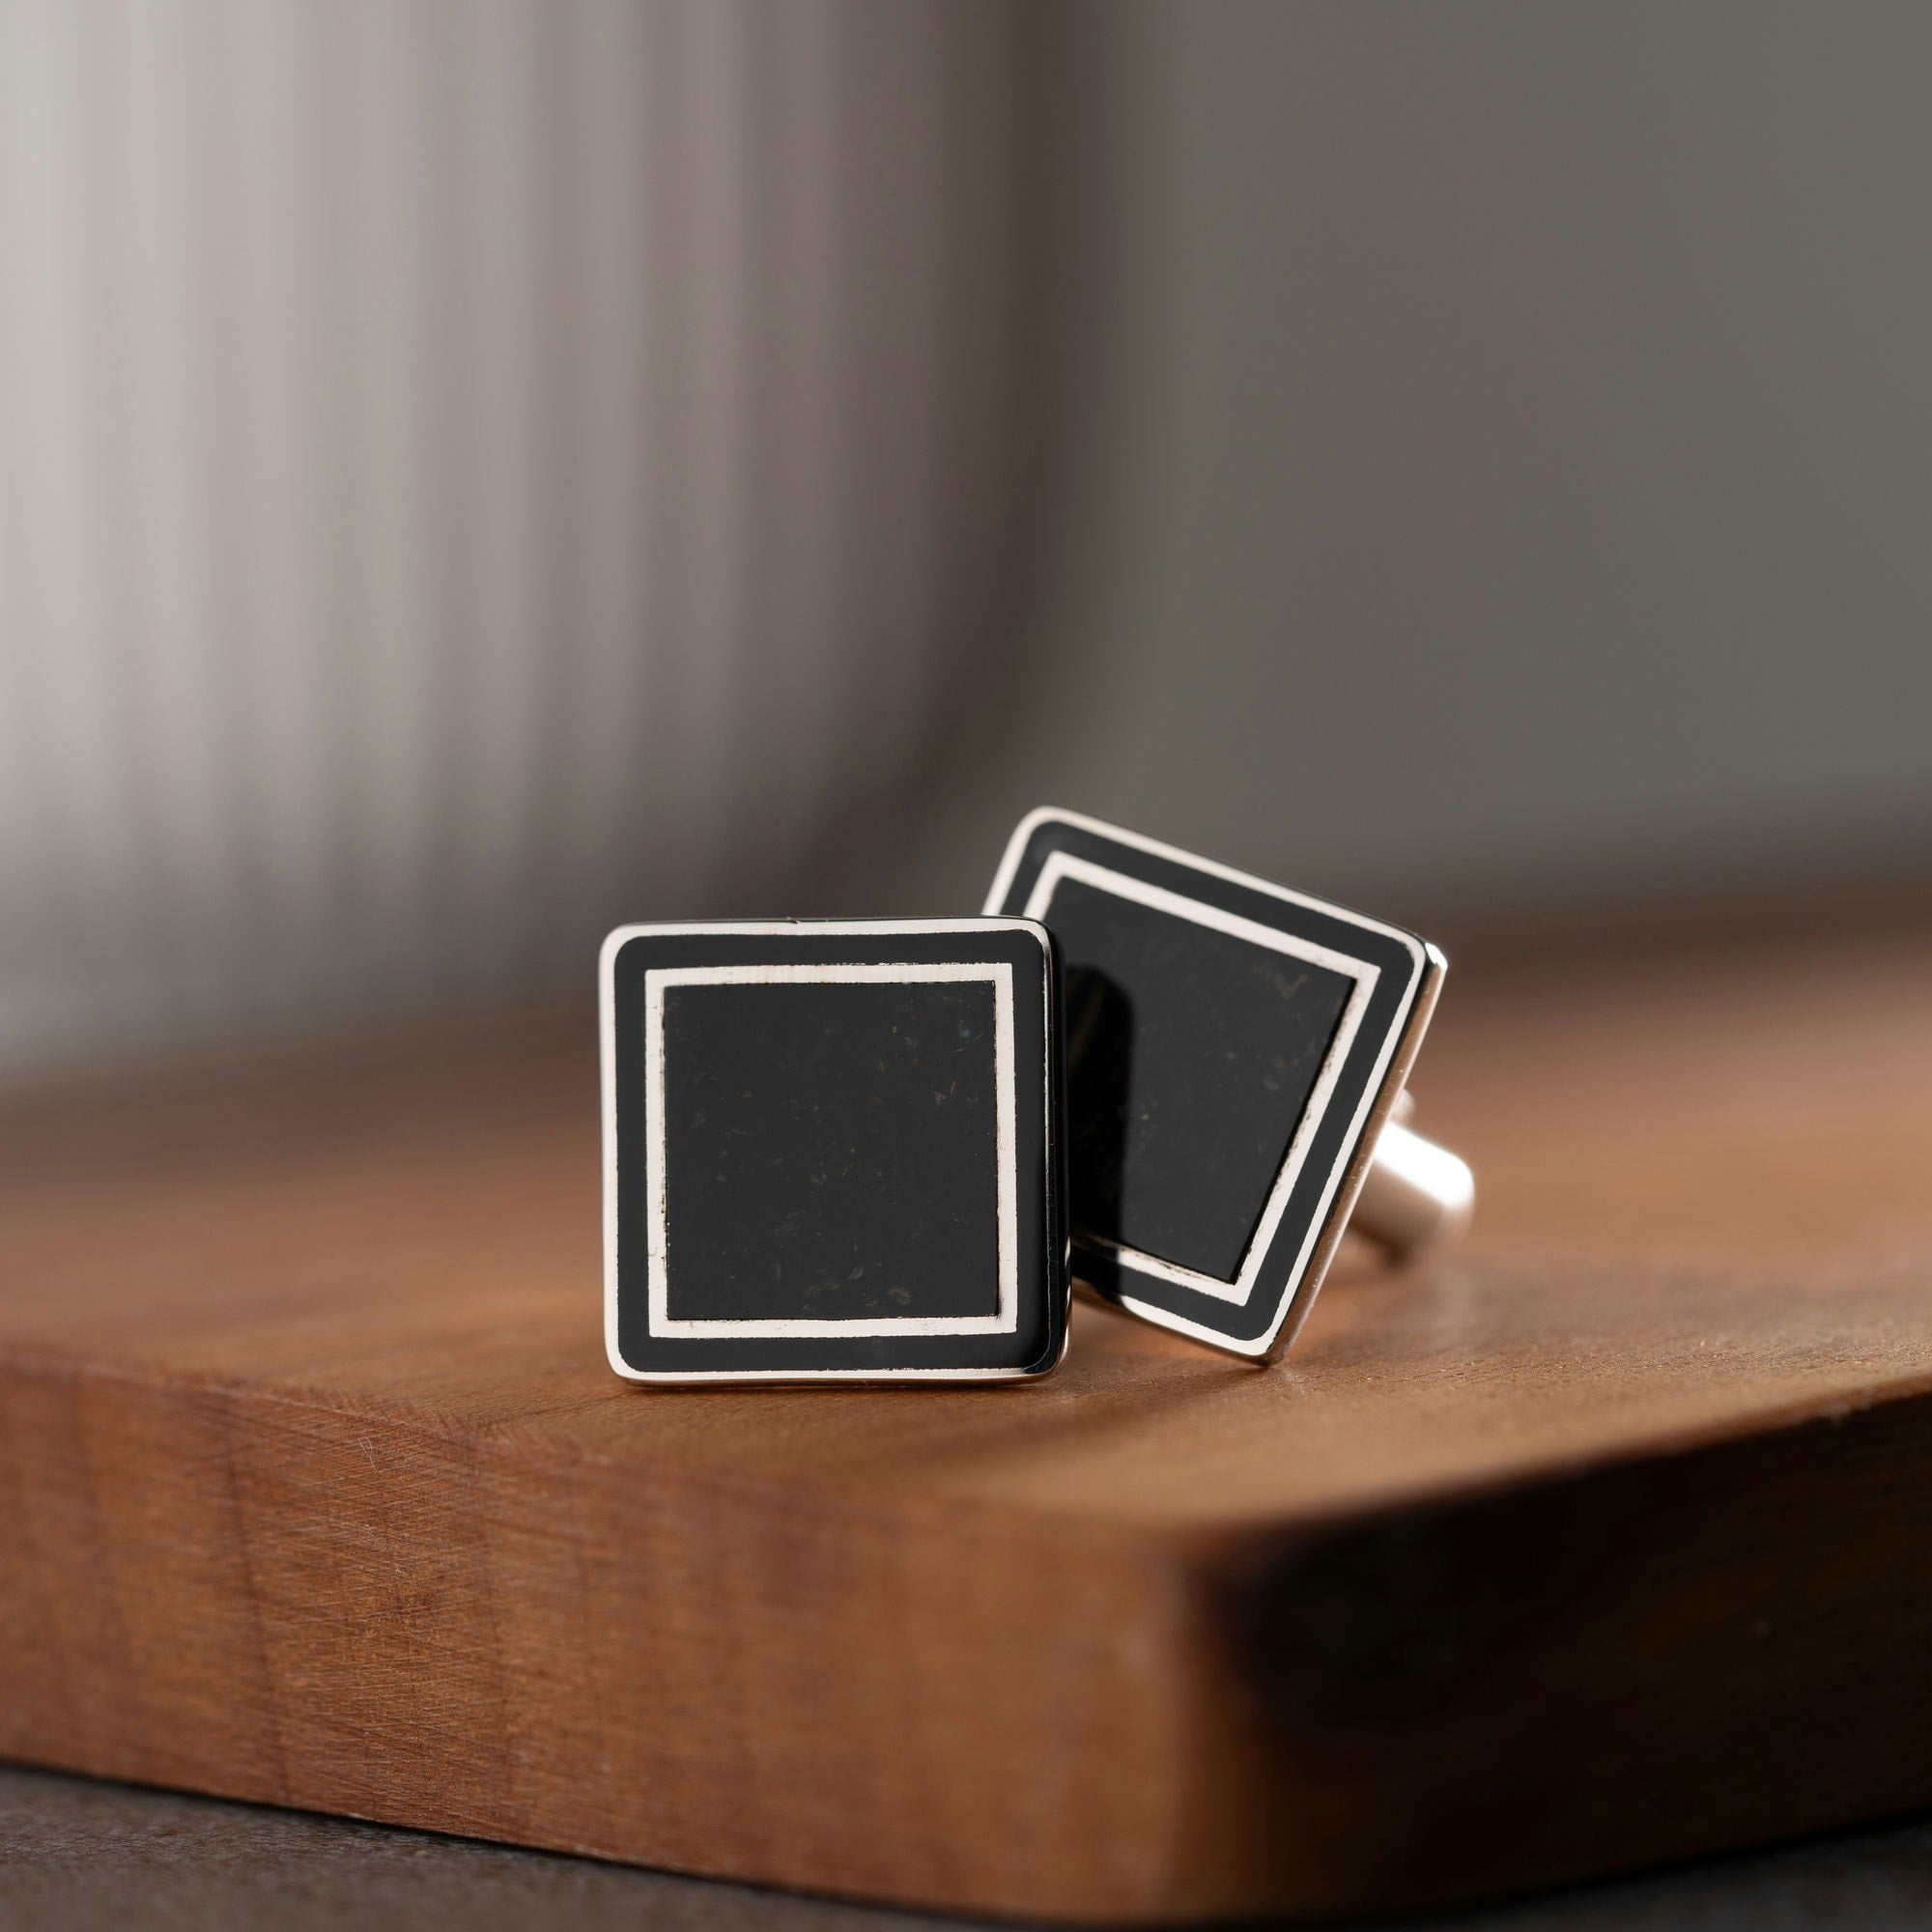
column 77, row 1853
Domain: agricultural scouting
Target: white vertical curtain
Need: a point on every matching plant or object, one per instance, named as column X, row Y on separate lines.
column 469, row 472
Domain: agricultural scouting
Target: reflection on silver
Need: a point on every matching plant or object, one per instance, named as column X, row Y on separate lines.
column 1418, row 1195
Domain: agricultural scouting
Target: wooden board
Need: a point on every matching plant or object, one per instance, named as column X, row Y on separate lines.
column 1601, row 1543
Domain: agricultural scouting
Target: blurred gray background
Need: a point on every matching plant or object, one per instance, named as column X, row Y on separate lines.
column 470, row 475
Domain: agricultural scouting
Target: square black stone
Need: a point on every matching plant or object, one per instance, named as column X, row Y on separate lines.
column 1190, row 1059
column 1233, row 1049
column 832, row 1151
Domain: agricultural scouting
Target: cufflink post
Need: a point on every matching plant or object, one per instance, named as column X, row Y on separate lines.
column 1418, row 1195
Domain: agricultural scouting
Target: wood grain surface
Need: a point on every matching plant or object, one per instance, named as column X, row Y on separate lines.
column 1598, row 1543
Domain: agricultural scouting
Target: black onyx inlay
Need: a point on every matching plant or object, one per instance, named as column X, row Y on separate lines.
column 1191, row 1055
column 831, row 1150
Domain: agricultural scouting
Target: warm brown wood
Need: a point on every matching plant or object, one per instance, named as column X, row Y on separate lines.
column 1602, row 1542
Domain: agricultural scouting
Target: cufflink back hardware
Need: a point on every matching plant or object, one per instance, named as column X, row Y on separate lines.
column 1236, row 1058
column 832, row 1152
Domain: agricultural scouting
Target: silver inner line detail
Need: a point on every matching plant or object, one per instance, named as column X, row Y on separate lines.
column 1000, row 975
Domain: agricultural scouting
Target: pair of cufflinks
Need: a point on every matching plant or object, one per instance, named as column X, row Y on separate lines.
column 880, row 1150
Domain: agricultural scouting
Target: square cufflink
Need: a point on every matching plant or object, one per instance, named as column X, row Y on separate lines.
column 832, row 1152
column 1235, row 1051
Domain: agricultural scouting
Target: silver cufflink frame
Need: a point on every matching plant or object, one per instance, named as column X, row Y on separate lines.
column 1194, row 958
column 832, row 1152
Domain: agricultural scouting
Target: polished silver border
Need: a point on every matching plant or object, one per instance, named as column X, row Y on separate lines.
column 1386, row 1082
column 607, row 958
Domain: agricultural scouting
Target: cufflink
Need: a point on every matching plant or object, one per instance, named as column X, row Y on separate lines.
column 1237, row 1055
column 832, row 1152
